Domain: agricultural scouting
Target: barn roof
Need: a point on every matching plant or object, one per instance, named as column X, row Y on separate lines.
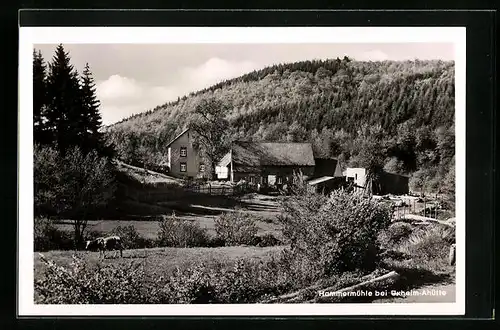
column 248, row 155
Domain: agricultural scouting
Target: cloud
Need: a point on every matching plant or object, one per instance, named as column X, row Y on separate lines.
column 215, row 70
column 117, row 87
column 123, row 96
column 372, row 55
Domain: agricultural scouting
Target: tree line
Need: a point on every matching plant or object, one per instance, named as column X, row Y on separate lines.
column 399, row 114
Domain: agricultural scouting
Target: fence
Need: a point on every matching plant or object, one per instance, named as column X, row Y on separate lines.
column 214, row 190
column 428, row 209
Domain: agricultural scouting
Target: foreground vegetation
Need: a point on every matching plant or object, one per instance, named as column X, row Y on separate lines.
column 205, row 275
column 329, row 241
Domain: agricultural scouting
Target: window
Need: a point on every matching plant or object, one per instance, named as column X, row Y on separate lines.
column 355, row 176
column 183, row 167
column 271, row 179
column 202, row 167
column 183, row 152
column 279, row 180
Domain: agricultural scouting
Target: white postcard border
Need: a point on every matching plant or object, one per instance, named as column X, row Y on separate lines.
column 28, row 36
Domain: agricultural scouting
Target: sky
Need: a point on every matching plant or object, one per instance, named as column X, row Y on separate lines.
column 133, row 78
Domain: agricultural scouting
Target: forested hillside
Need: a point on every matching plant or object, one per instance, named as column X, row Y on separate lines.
column 399, row 113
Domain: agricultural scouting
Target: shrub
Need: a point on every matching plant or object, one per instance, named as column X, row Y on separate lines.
column 429, row 243
column 192, row 286
column 394, row 234
column 339, row 234
column 175, row 232
column 48, row 237
column 250, row 280
column 292, row 271
column 131, row 238
column 83, row 284
column 214, row 241
column 268, row 240
column 235, row 228
column 244, row 281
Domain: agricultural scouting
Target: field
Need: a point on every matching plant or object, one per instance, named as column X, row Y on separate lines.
column 201, row 210
column 149, row 229
column 161, row 261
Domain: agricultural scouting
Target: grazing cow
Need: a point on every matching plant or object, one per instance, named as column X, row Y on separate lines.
column 102, row 244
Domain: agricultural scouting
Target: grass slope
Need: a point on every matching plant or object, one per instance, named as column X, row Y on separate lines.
column 160, row 261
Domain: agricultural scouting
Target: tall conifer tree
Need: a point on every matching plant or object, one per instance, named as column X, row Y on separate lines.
column 64, row 101
column 39, row 99
column 90, row 116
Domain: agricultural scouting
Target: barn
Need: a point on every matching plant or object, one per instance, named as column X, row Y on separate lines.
column 327, row 175
column 266, row 163
column 327, row 184
column 385, row 183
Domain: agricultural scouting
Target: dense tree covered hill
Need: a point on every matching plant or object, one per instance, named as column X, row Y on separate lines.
column 406, row 108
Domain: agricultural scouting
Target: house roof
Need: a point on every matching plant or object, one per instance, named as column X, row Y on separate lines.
column 251, row 155
column 178, row 136
column 327, row 167
column 226, row 160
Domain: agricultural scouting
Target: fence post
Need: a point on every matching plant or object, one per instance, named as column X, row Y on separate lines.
column 425, row 207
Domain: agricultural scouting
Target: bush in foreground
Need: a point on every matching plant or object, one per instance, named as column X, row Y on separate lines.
column 244, row 281
column 394, row 234
column 268, row 239
column 236, row 228
column 83, row 284
column 423, row 256
column 131, row 238
column 175, row 232
column 430, row 243
column 48, row 237
column 337, row 234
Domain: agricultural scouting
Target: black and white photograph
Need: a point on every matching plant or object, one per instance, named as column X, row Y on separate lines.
column 242, row 171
